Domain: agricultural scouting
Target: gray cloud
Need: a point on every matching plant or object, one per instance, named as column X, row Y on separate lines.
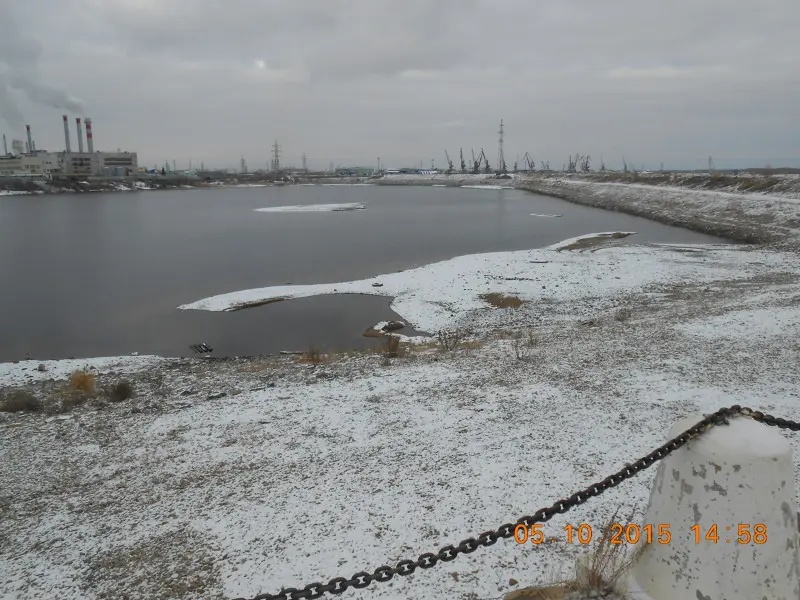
column 347, row 81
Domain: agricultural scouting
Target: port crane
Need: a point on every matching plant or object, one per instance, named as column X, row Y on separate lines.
column 487, row 168
column 463, row 164
column 476, row 164
column 529, row 163
column 449, row 163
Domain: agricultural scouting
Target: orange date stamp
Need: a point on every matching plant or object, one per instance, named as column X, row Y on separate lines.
column 617, row 534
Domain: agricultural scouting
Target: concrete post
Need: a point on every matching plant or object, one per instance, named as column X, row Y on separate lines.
column 733, row 477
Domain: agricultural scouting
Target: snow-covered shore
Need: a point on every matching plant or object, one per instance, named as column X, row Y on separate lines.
column 756, row 218
column 235, row 477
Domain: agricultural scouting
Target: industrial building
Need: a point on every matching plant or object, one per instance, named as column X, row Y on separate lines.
column 25, row 160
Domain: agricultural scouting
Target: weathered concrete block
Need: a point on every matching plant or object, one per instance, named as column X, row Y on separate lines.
column 733, row 477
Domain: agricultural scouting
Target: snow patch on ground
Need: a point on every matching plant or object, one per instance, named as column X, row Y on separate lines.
column 315, row 207
column 27, row 371
column 743, row 323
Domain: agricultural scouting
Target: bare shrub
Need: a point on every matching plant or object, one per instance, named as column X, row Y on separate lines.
column 82, row 381
column 623, row 314
column 449, row 339
column 607, row 568
column 498, row 300
column 122, row 390
column 391, row 346
column 72, row 401
column 520, row 348
column 313, row 355
column 20, row 401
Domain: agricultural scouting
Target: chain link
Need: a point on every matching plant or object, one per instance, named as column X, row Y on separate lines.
column 385, row 573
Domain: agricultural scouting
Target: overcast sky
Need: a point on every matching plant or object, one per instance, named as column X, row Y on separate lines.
column 349, row 81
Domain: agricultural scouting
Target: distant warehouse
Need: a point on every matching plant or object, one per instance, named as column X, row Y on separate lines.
column 25, row 160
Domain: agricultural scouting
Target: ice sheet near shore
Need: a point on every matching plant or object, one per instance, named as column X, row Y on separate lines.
column 436, row 296
column 315, row 207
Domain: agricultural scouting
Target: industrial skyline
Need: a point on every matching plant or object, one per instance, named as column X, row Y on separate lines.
column 25, row 159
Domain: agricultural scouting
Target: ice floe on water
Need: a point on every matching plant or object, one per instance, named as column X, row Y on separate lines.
column 488, row 187
column 315, row 207
column 544, row 215
column 439, row 294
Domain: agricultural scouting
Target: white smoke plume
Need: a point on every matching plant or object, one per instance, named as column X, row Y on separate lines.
column 19, row 58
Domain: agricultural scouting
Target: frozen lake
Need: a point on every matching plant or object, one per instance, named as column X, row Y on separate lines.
column 102, row 274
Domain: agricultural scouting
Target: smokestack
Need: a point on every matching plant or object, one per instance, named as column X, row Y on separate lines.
column 89, row 138
column 30, row 140
column 80, row 134
column 5, row 146
column 66, row 134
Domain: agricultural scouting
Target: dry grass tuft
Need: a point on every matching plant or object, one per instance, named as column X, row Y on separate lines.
column 623, row 314
column 602, row 574
column 499, row 300
column 313, row 356
column 82, row 381
column 71, row 401
column 609, row 565
column 20, row 401
column 122, row 390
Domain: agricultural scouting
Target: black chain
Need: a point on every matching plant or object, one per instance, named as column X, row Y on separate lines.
column 406, row 567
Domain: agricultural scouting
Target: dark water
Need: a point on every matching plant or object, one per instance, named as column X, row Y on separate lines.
column 101, row 274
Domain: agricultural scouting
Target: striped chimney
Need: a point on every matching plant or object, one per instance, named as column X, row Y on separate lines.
column 80, row 134
column 66, row 134
column 30, row 139
column 89, row 138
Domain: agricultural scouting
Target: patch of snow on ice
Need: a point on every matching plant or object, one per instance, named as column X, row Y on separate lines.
column 12, row 193
column 603, row 235
column 487, row 187
column 315, row 207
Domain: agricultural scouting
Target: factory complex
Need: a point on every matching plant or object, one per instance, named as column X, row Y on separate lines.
column 23, row 159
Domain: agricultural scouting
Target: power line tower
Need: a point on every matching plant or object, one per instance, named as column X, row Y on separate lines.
column 305, row 163
column 276, row 157
column 501, row 159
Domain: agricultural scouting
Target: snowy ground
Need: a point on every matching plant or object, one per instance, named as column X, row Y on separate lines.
column 301, row 473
